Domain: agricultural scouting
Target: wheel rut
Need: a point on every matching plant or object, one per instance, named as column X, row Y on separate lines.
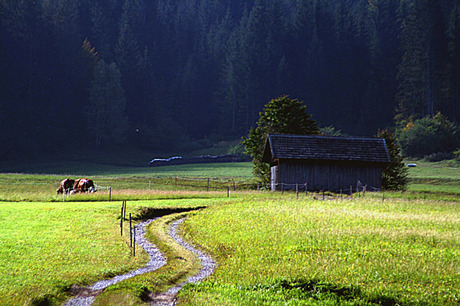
column 208, row 266
column 86, row 295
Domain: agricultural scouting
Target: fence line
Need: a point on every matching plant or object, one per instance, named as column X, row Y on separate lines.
column 132, row 229
column 304, row 186
column 216, row 184
column 207, row 184
column 360, row 189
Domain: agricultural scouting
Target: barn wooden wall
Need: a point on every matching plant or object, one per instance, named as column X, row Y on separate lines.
column 328, row 175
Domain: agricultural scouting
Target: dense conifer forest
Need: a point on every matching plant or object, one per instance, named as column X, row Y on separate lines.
column 166, row 73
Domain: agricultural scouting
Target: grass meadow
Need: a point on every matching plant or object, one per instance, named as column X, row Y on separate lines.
column 277, row 250
column 47, row 247
column 271, row 248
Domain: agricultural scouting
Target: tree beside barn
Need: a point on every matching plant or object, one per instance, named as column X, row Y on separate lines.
column 281, row 115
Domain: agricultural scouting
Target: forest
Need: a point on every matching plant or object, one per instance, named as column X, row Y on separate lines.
column 158, row 74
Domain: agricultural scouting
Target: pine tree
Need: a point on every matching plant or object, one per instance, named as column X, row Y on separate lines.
column 394, row 175
column 106, row 120
column 425, row 50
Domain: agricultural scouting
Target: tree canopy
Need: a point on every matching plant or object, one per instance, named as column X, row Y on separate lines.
column 279, row 116
column 201, row 69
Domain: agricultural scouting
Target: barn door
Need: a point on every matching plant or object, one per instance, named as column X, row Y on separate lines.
column 273, row 177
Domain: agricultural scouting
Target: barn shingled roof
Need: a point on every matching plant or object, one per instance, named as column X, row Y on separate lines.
column 313, row 147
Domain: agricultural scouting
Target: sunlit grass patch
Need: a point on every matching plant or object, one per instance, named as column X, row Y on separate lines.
column 47, row 247
column 399, row 250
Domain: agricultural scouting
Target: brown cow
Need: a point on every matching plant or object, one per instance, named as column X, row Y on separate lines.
column 65, row 186
column 83, row 185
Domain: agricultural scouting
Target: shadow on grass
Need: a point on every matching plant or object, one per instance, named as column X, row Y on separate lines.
column 321, row 291
column 146, row 213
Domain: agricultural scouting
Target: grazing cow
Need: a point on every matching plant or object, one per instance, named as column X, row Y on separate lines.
column 83, row 185
column 65, row 186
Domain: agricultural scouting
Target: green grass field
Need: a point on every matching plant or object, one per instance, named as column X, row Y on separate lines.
column 439, row 177
column 276, row 250
column 271, row 248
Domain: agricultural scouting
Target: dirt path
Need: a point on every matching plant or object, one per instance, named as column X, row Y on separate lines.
column 207, row 268
column 86, row 295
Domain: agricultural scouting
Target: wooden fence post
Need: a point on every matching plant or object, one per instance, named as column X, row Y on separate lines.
column 110, row 193
column 121, row 221
column 297, row 190
column 130, row 232
column 134, row 241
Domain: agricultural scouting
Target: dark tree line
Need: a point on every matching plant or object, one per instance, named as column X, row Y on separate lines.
column 163, row 73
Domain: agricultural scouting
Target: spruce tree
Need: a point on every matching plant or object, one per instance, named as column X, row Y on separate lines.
column 106, row 120
column 394, row 175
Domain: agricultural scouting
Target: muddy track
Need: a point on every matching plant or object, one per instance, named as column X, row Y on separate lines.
column 207, row 267
column 86, row 295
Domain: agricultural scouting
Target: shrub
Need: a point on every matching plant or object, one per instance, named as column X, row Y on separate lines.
column 438, row 156
column 457, row 154
column 426, row 136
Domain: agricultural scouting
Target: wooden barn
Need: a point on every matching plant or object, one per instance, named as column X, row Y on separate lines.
column 325, row 162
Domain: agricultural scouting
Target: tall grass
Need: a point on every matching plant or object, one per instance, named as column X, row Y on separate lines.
column 47, row 247
column 140, row 183
column 276, row 250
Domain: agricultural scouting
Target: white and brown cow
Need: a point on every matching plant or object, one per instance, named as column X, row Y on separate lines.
column 83, row 185
column 65, row 186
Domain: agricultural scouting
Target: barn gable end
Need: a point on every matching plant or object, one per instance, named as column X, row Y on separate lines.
column 325, row 162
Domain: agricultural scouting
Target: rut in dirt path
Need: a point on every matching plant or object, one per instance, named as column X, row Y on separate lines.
column 208, row 266
column 85, row 296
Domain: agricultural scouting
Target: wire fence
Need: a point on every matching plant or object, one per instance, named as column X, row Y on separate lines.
column 97, row 188
column 359, row 189
column 216, row 185
column 208, row 184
